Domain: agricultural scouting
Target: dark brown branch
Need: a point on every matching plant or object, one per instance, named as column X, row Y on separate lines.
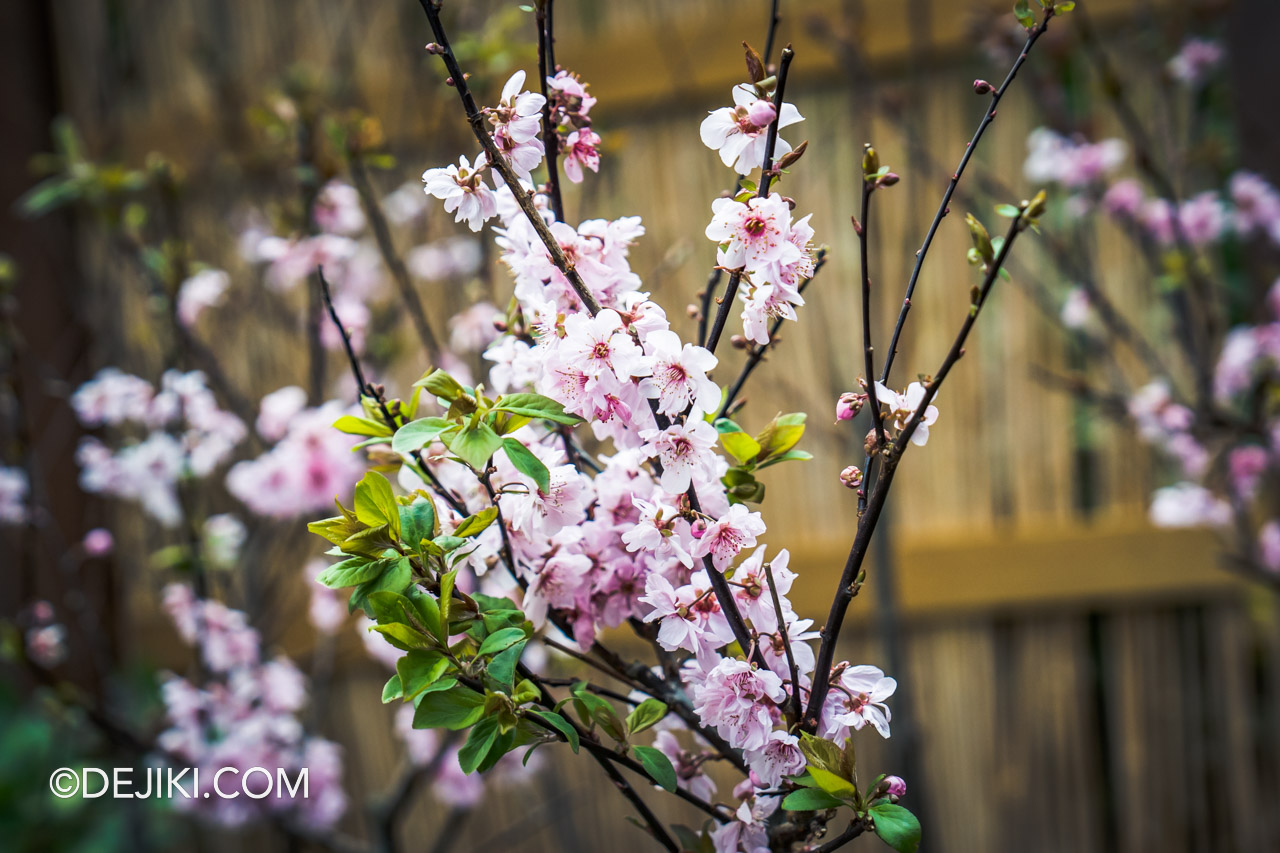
column 851, row 832
column 547, row 66
column 850, row 578
column 499, row 161
column 794, row 709
column 868, row 352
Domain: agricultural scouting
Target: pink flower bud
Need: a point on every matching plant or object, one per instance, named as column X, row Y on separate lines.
column 870, row 444
column 98, row 542
column 761, row 113
column 849, row 404
column 851, row 477
column 982, row 87
column 894, row 786
column 697, row 528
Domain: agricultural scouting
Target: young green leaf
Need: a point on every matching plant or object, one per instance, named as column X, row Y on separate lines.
column 352, row 425
column 392, row 691
column 449, row 709
column 502, row 668
column 375, row 503
column 810, row 800
column 647, row 713
column 396, row 578
column 741, row 446
column 1022, row 11
column 528, row 464
column 658, row 766
column 536, row 406
column 417, row 522
column 416, row 435
column 561, row 725
column 896, row 827
column 479, row 742
column 500, row 640
column 419, row 669
column 441, row 384
column 353, row 571
column 474, row 445
column 834, row 785
column 473, row 525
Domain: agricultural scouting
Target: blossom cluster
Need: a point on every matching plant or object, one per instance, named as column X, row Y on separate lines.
column 244, row 715
column 642, row 537
column 184, row 434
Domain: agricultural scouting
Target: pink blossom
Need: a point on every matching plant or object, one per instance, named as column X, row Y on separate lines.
column 656, row 532
column 728, row 535
column 780, row 756
column 328, row 609
column 752, row 235
column 689, row 770
column 205, row 289
column 337, row 209
column 683, row 449
column 740, row 701
column 1124, row 199
column 858, row 699
column 751, row 588
column 98, row 542
column 47, row 645
column 679, row 375
column 13, row 495
column 1188, row 505
column 1202, row 218
column 462, row 189
column 1247, row 465
column 516, row 121
column 1197, row 58
column 472, row 330
column 747, row 832
column 1053, row 158
column 581, row 149
column 276, row 410
column 902, row 408
column 1257, row 205
column 1077, row 309
column 112, row 398
column 739, row 132
column 679, row 627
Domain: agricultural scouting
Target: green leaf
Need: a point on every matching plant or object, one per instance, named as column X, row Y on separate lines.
column 561, row 725
column 536, row 406
column 449, row 709
column 896, row 827
column 500, row 640
column 352, row 425
column 782, row 434
column 446, row 598
column 402, row 636
column 419, row 669
column 392, row 691
column 1022, row 11
column 375, row 503
column 528, row 464
column 352, row 572
column 833, row 784
column 821, row 752
column 428, row 609
column 417, row 522
column 502, row 668
column 741, row 446
column 416, row 435
column 479, row 742
column 473, row 525
column 441, row 384
column 1007, row 210
column 474, row 445
column 789, row 456
column 647, row 713
column 810, row 800
column 397, row 578
column 658, row 766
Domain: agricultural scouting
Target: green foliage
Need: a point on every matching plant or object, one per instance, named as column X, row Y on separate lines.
column 561, row 725
column 772, row 445
column 896, row 827
column 657, row 765
column 1022, row 11
column 810, row 800
column 648, row 713
column 528, row 464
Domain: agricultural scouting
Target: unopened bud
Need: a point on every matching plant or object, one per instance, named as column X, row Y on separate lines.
column 857, row 226
column 698, row 528
column 1035, row 207
column 849, row 404
column 895, row 786
column 888, row 180
column 870, row 161
column 693, row 311
column 761, row 113
column 434, row 49
column 982, row 87
column 739, row 342
column 788, row 160
column 851, row 477
column 871, row 445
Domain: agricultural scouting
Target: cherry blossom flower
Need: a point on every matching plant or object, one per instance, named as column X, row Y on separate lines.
column 337, row 209
column 656, row 532
column 1124, row 199
column 516, row 121
column 98, row 542
column 683, row 449
column 1188, row 505
column 859, row 699
column 751, row 588
column 1202, row 218
column 753, row 234
column 902, row 407
column 679, row 627
column 679, row 375
column 1194, row 62
column 747, row 832
column 780, row 756
column 728, row 535
column 739, row 133
column 1053, row 158
column 462, row 189
column 1256, row 205
column 740, row 700
column 689, row 774
column 205, row 289
column 581, row 149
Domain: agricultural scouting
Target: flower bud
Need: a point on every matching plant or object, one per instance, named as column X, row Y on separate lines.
column 848, row 406
column 870, row 445
column 894, row 786
column 982, row 87
column 851, row 477
column 762, row 113
column 434, row 49
column 697, row 528
column 870, row 161
column 888, row 180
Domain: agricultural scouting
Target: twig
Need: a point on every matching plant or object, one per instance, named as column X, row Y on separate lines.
column 851, row 832
column 793, row 702
column 945, row 207
column 499, row 161
column 849, row 578
column 392, row 259
column 766, row 178
column 868, row 187
column 544, row 12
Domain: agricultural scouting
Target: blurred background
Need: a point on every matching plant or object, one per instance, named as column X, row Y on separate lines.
column 1071, row 676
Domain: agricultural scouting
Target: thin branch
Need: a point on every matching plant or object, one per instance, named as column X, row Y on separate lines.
column 391, row 258
column 793, row 702
column 766, row 178
column 544, row 10
column 499, row 161
column 850, row 579
column 851, row 832
column 945, row 207
column 869, row 363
